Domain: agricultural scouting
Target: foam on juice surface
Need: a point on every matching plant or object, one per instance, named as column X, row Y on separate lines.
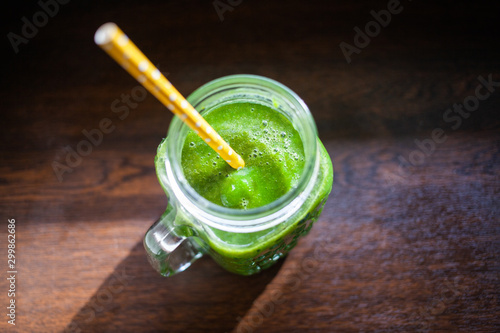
column 264, row 138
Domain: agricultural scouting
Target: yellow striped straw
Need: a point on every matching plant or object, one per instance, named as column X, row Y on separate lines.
column 112, row 40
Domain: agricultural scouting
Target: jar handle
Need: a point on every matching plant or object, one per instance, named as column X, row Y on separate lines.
column 169, row 249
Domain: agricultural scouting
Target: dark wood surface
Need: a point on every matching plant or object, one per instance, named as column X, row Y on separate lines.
column 400, row 247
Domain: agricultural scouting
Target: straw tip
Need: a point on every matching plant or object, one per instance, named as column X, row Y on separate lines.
column 105, row 33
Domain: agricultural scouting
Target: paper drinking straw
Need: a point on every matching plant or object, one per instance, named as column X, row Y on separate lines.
column 112, row 40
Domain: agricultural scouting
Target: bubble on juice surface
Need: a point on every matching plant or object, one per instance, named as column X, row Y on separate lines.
column 283, row 134
column 191, row 144
column 244, row 202
column 264, row 123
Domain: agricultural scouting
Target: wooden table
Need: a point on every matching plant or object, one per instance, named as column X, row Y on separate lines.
column 407, row 242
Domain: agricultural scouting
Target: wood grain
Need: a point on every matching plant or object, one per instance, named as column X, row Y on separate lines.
column 400, row 247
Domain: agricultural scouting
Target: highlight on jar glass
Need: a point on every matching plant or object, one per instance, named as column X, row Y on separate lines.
column 248, row 209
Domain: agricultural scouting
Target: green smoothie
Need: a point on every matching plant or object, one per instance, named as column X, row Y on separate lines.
column 264, row 138
column 274, row 157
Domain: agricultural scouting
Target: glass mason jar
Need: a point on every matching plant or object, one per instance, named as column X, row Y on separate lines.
column 243, row 241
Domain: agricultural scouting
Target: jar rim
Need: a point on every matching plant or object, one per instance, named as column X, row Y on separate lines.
column 253, row 219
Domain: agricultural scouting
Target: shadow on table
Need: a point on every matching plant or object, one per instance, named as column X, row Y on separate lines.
column 135, row 298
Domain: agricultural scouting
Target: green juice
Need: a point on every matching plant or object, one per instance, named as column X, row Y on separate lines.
column 274, row 158
column 265, row 139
